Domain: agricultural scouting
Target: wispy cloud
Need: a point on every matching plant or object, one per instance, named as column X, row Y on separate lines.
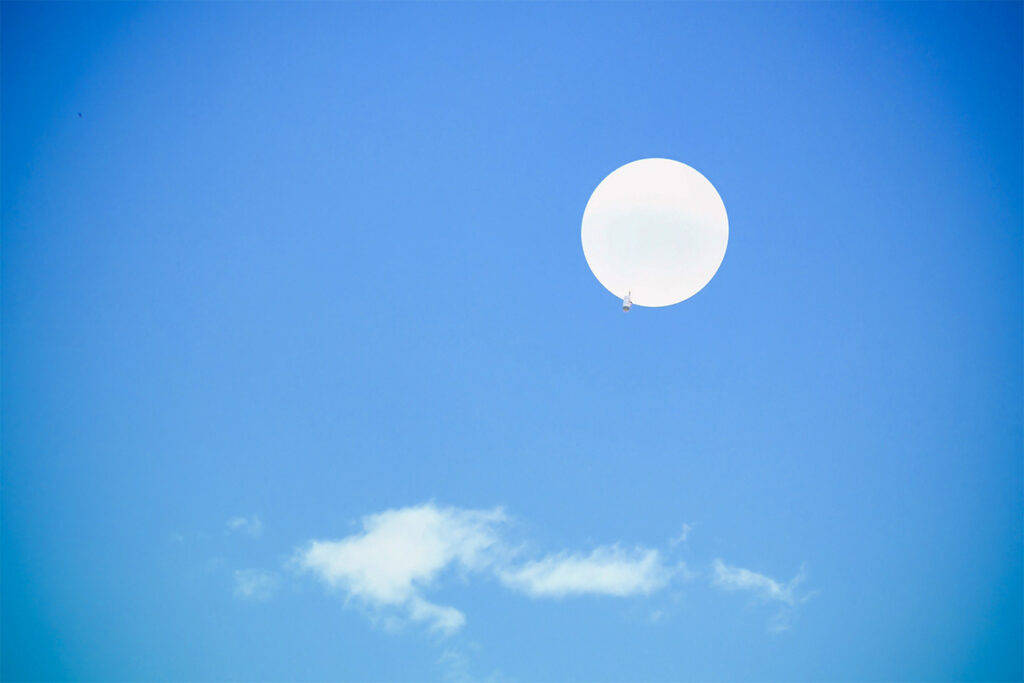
column 455, row 664
column 250, row 526
column 684, row 533
column 401, row 552
column 607, row 570
column 255, row 584
column 766, row 588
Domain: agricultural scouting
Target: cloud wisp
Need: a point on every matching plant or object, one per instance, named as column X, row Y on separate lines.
column 764, row 588
column 250, row 526
column 608, row 570
column 255, row 584
column 684, row 533
column 401, row 552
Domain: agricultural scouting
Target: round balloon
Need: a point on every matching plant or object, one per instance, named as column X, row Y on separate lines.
column 655, row 232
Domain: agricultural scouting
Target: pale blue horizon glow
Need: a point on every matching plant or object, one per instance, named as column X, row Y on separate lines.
column 305, row 377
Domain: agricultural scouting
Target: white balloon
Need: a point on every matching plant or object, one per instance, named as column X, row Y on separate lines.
column 655, row 232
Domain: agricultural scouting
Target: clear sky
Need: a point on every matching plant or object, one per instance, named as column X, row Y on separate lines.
column 305, row 376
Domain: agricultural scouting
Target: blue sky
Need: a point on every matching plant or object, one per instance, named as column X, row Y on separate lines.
column 305, row 376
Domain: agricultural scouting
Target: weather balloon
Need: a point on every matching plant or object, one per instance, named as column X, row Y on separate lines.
column 654, row 232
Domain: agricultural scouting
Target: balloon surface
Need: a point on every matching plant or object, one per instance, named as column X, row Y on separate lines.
column 655, row 230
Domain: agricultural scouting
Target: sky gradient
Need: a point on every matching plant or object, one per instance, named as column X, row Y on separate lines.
column 301, row 356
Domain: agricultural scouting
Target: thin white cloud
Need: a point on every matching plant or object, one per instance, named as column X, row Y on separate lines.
column 441, row 618
column 255, row 584
column 782, row 620
column 401, row 552
column 250, row 526
column 766, row 588
column 608, row 570
column 683, row 535
column 455, row 664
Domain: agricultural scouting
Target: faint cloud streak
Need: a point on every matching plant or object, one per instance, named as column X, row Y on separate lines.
column 607, row 570
column 255, row 584
column 250, row 526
